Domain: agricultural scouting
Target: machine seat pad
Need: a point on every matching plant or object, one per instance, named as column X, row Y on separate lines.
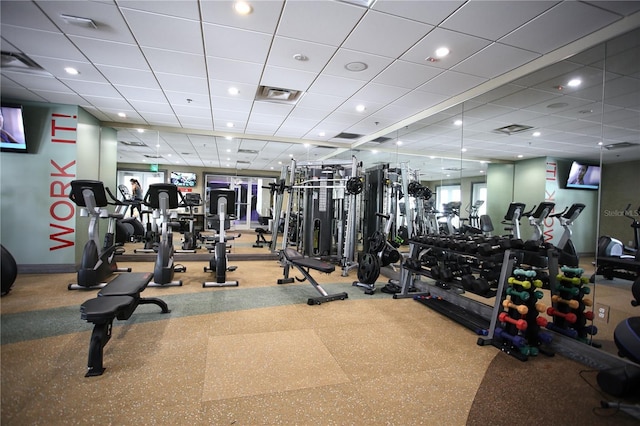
column 104, row 309
column 130, row 284
column 308, row 262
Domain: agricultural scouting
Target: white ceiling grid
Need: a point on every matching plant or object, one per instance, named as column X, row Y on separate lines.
column 169, row 65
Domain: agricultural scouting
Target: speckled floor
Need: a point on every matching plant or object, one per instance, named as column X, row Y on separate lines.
column 257, row 354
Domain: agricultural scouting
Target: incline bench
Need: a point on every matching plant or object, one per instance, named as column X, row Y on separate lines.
column 118, row 299
column 290, row 257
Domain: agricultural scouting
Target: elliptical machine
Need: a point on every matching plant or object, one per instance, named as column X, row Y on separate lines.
column 614, row 260
column 97, row 264
column 162, row 197
column 221, row 204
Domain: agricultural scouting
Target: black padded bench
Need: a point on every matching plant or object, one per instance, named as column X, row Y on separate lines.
column 290, row 257
column 118, row 299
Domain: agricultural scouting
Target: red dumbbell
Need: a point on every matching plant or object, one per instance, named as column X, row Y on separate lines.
column 569, row 317
column 541, row 321
column 519, row 323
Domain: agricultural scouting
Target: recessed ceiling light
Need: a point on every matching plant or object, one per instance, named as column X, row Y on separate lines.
column 398, row 142
column 168, row 155
column 140, row 130
column 122, row 114
column 306, row 145
column 242, row 7
column 356, row 66
column 375, row 151
column 71, row 71
column 520, row 155
column 228, row 137
column 228, row 150
column 574, row 82
column 360, row 108
column 441, row 52
column 321, row 134
column 536, row 134
column 229, row 124
column 464, row 150
column 233, row 90
column 458, row 122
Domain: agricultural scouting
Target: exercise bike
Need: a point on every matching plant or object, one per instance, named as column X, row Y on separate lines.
column 221, row 204
column 162, row 197
column 97, row 263
column 189, row 235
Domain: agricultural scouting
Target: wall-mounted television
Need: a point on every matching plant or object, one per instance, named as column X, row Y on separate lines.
column 12, row 136
column 583, row 176
column 183, row 179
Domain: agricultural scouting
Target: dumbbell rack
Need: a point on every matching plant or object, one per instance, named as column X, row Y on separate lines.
column 569, row 304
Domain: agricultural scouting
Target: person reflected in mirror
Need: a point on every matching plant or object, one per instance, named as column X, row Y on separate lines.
column 136, row 196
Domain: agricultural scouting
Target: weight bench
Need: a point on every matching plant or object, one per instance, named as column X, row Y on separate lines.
column 260, row 239
column 118, row 299
column 290, row 257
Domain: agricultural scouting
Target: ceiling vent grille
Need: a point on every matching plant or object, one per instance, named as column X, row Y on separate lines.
column 513, row 129
column 18, row 62
column 243, row 162
column 345, row 135
column 381, row 139
column 278, row 94
column 152, row 156
column 247, row 151
column 620, row 145
column 132, row 143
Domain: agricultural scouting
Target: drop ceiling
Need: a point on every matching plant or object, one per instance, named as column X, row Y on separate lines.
column 169, row 65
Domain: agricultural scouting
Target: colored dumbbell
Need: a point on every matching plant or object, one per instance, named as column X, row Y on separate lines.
column 545, row 337
column 587, row 302
column 521, row 294
column 541, row 307
column 519, row 323
column 524, row 272
column 585, row 290
column 518, row 341
column 522, row 309
column 588, row 315
column 524, row 284
column 569, row 317
column 573, row 304
column 566, row 331
column 538, row 294
column 574, row 291
column 591, row 329
column 571, row 280
column 541, row 321
column 576, row 272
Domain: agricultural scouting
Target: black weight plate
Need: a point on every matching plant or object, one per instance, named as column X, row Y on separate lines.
column 368, row 269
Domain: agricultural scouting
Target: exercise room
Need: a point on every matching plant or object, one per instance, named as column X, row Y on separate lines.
column 352, row 212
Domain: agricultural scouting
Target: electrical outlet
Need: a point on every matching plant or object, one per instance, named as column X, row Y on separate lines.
column 602, row 312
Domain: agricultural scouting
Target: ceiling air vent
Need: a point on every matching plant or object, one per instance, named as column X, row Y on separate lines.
column 512, row 129
column 18, row 62
column 620, row 145
column 243, row 162
column 152, row 156
column 345, row 135
column 132, row 143
column 278, row 94
column 247, row 151
column 381, row 139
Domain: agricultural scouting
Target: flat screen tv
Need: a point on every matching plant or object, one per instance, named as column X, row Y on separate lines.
column 183, row 179
column 583, row 176
column 12, row 136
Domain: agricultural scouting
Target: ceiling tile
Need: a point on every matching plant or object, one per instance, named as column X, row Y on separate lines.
column 494, row 60
column 141, row 94
column 337, row 65
column 494, row 19
column 430, row 12
column 319, row 21
column 558, row 26
column 25, row 14
column 128, row 76
column 232, row 70
column 182, row 9
column 31, row 43
column 180, row 83
column 111, row 53
column 172, row 62
column 283, row 50
column 264, row 17
column 164, row 32
column 248, row 46
column 460, row 45
column 287, row 78
column 336, row 86
column 385, row 35
column 406, row 74
column 451, row 83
